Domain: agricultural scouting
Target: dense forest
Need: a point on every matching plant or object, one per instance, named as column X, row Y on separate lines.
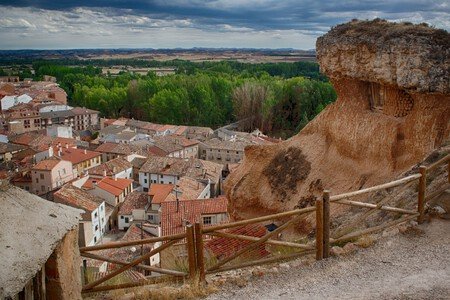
column 278, row 98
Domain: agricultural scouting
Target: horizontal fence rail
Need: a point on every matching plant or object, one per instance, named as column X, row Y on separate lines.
column 245, row 243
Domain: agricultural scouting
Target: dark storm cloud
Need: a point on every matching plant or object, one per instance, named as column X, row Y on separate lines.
column 187, row 23
column 260, row 15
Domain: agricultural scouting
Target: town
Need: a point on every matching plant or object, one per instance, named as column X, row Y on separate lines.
column 131, row 178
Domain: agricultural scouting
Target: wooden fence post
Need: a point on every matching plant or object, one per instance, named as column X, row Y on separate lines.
column 319, row 229
column 199, row 250
column 326, row 223
column 448, row 171
column 191, row 251
column 421, row 193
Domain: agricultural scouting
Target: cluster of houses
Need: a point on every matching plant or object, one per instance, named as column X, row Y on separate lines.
column 32, row 105
column 134, row 179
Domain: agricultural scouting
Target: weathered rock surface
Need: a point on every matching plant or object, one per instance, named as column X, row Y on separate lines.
column 393, row 108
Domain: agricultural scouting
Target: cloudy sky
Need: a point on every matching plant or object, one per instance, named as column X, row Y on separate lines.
column 65, row 24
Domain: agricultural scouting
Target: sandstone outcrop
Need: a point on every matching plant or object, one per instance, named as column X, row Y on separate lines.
column 393, row 109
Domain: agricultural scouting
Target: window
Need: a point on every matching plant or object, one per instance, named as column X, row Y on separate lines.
column 101, row 208
column 162, row 176
column 145, row 180
column 42, row 188
column 126, row 220
column 207, row 220
column 96, row 227
column 41, row 176
column 95, row 239
column 95, row 215
column 37, row 180
column 151, row 217
column 121, row 217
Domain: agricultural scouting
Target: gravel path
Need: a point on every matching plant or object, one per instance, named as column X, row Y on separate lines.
column 402, row 266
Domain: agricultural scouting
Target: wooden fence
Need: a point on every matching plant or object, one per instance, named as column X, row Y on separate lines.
column 224, row 247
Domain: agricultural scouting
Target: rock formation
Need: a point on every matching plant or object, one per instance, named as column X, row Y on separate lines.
column 393, row 108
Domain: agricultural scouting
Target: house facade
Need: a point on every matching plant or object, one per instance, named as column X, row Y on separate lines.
column 95, row 221
column 50, row 174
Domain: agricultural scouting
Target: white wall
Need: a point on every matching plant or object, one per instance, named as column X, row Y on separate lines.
column 109, row 198
column 98, row 219
column 50, row 108
column 60, row 131
column 155, row 178
column 121, row 222
column 9, row 101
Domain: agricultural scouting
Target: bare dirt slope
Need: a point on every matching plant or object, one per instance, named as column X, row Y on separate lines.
column 414, row 265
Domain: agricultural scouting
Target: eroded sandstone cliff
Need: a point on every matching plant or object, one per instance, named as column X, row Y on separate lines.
column 393, row 108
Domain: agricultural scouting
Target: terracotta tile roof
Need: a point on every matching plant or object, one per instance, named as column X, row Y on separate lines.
column 106, row 148
column 181, row 130
column 89, row 184
column 225, row 247
column 138, row 162
column 190, row 211
column 76, row 156
column 108, row 122
column 25, row 138
column 172, row 143
column 216, row 143
column 165, row 165
column 75, row 197
column 194, row 168
column 165, row 127
column 156, row 151
column 8, row 147
column 160, row 192
column 83, row 111
column 114, row 186
column 134, row 200
column 111, row 167
column 47, row 164
column 134, row 233
column 109, row 188
column 188, row 189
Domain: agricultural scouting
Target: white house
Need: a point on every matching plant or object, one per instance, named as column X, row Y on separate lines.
column 60, row 131
column 95, row 220
column 113, row 191
column 9, row 101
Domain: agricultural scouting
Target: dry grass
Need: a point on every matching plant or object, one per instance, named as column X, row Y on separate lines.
column 365, row 241
column 191, row 290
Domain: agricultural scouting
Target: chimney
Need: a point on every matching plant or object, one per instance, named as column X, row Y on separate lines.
column 67, row 146
column 50, row 151
column 115, row 178
column 59, row 152
column 104, row 173
column 85, row 151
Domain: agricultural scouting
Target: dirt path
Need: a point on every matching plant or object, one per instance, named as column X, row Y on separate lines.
column 403, row 266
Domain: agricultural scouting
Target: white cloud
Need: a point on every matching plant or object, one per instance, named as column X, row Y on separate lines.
column 114, row 28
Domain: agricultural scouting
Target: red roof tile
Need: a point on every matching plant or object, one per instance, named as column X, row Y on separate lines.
column 224, row 247
column 106, row 147
column 76, row 156
column 159, row 192
column 75, row 197
column 190, row 211
column 114, row 186
column 134, row 200
column 46, row 165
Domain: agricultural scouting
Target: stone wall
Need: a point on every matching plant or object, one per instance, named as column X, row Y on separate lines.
column 63, row 272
